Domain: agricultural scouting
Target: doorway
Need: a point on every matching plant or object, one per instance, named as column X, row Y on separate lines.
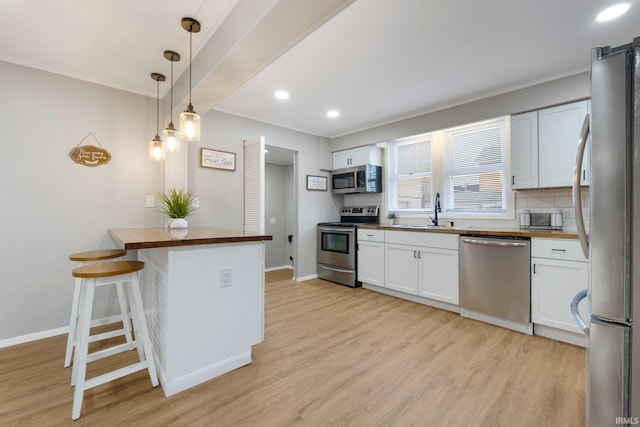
column 280, row 208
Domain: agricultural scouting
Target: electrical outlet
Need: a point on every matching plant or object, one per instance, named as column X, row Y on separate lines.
column 272, row 220
column 226, row 277
column 151, row 201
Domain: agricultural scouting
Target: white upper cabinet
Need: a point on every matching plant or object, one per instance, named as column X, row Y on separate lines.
column 357, row 157
column 558, row 135
column 524, row 150
column 544, row 144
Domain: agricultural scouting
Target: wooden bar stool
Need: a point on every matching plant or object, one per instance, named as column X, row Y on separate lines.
column 89, row 257
column 109, row 273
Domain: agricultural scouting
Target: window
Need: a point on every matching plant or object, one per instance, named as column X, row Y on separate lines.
column 411, row 184
column 474, row 171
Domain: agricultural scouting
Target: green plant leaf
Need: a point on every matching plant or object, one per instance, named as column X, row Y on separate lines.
column 177, row 203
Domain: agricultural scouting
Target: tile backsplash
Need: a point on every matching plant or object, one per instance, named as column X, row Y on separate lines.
column 539, row 200
column 548, row 200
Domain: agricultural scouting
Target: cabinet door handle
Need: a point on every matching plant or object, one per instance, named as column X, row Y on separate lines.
column 513, row 180
column 414, row 254
column 369, row 235
column 534, row 269
column 584, row 174
column 419, row 252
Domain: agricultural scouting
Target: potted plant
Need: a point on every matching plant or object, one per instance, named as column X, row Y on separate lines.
column 391, row 216
column 177, row 205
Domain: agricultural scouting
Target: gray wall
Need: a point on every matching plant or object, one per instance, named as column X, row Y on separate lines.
column 277, row 200
column 220, row 191
column 50, row 206
column 530, row 98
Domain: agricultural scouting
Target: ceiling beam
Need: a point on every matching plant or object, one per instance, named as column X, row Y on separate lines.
column 256, row 33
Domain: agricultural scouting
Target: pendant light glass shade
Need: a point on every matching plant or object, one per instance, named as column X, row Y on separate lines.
column 189, row 119
column 172, row 140
column 156, row 148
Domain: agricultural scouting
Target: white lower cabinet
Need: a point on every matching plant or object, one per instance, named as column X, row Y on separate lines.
column 371, row 256
column 426, row 271
column 402, row 268
column 439, row 274
column 558, row 273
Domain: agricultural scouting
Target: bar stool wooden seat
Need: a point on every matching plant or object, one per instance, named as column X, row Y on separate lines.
column 102, row 274
column 89, row 257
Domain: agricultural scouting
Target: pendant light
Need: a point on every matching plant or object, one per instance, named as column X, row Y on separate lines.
column 189, row 119
column 173, row 136
column 156, row 149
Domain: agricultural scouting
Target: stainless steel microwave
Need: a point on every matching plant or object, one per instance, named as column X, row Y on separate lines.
column 359, row 179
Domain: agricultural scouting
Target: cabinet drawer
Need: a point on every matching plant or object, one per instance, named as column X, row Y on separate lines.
column 370, row 235
column 420, row 238
column 561, row 249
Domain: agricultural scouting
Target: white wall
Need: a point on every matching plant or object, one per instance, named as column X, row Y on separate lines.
column 50, row 206
column 220, row 191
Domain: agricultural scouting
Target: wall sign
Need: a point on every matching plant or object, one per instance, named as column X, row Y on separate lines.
column 217, row 159
column 316, row 183
column 90, row 155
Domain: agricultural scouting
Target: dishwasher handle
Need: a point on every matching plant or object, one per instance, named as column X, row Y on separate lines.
column 508, row 244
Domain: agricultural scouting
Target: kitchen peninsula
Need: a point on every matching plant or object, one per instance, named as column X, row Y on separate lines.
column 203, row 293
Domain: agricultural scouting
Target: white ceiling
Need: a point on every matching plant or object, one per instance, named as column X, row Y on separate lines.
column 376, row 61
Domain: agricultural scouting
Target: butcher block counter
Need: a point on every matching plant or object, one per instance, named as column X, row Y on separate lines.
column 146, row 238
column 203, row 294
column 478, row 231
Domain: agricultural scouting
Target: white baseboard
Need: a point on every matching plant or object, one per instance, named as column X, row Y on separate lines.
column 35, row 336
column 420, row 300
column 560, row 335
column 302, row 279
column 282, row 267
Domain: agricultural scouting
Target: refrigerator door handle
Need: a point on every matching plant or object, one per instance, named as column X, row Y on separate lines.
column 576, row 313
column 577, row 191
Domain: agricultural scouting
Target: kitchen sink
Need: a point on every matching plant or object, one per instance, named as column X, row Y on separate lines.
column 432, row 227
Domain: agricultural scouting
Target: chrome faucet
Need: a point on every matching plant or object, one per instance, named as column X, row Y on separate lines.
column 436, row 210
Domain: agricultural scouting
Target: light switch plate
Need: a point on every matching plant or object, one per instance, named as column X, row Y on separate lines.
column 226, row 277
column 151, row 201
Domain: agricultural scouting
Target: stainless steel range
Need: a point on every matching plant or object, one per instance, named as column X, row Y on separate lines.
column 336, row 252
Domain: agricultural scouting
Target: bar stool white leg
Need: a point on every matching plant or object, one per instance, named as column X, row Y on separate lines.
column 136, row 322
column 82, row 348
column 71, row 337
column 142, row 333
column 124, row 310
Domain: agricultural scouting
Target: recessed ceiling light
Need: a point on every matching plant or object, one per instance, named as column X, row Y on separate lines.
column 281, row 94
column 612, row 12
column 333, row 113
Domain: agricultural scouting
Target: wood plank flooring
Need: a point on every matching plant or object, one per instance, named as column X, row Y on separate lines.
column 332, row 355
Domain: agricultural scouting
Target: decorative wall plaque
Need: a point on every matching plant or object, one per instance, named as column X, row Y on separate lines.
column 217, row 159
column 90, row 155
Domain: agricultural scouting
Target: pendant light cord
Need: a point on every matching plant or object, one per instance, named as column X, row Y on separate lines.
column 158, row 107
column 190, row 61
column 171, row 106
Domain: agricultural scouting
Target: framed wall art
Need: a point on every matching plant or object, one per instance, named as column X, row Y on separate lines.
column 318, row 183
column 217, row 159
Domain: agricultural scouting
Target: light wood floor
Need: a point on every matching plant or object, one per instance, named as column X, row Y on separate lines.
column 335, row 356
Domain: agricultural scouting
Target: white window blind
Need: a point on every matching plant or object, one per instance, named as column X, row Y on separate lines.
column 413, row 179
column 475, row 178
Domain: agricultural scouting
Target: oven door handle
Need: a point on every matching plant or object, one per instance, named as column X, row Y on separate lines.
column 337, row 229
column 339, row 270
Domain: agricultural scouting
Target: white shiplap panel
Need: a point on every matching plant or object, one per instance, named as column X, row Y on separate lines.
column 254, row 185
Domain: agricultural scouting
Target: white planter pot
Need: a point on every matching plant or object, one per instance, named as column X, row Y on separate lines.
column 178, row 223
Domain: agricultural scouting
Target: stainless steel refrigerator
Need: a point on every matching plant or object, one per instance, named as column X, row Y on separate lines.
column 613, row 240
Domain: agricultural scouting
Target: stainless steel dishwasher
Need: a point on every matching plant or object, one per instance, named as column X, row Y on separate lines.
column 495, row 280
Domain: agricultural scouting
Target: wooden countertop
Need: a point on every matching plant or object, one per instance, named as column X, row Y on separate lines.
column 146, row 238
column 512, row 232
